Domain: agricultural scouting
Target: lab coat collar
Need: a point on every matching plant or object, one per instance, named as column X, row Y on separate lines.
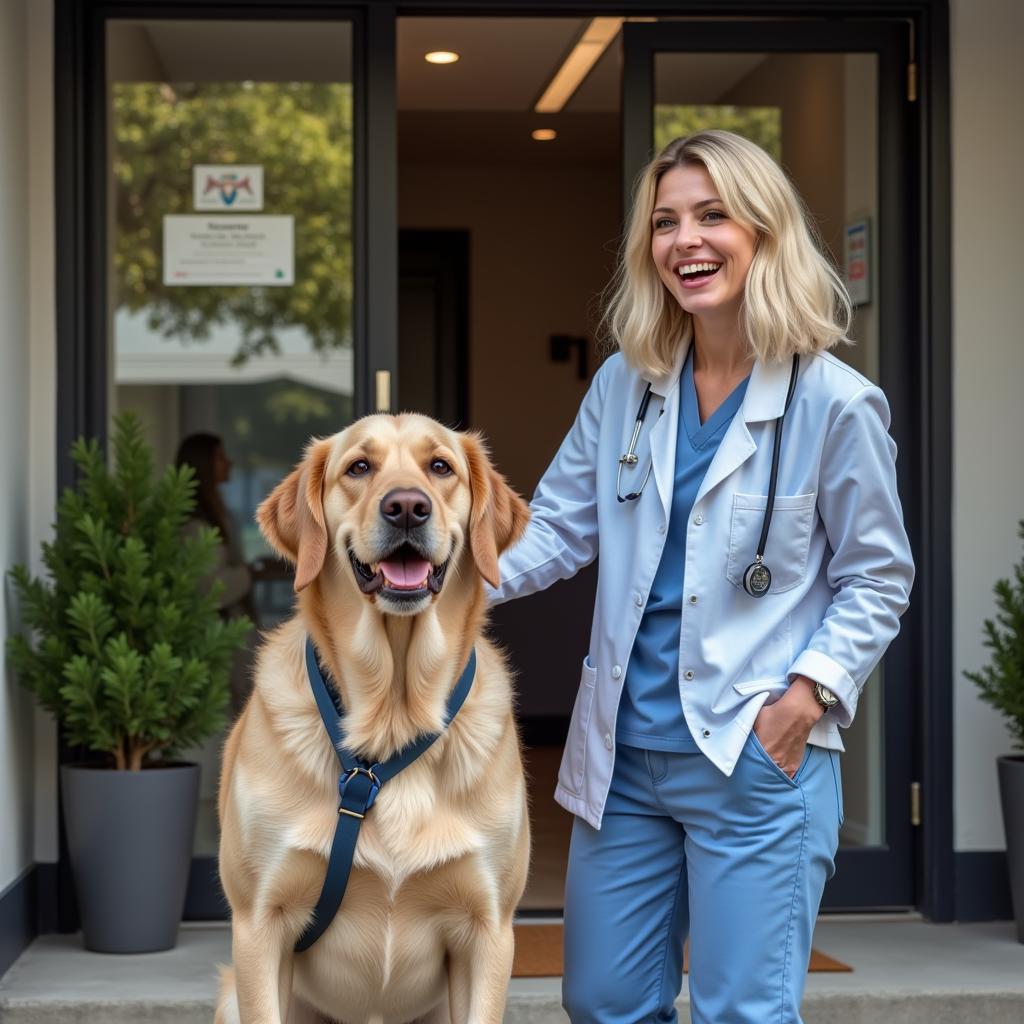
column 765, row 397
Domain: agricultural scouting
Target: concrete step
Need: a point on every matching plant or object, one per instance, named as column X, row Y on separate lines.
column 905, row 971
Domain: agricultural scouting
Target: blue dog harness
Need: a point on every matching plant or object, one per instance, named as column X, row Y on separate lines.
column 358, row 787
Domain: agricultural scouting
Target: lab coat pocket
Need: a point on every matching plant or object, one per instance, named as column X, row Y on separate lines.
column 570, row 775
column 789, row 537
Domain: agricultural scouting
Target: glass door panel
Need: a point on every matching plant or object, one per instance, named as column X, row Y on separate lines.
column 811, row 96
column 230, row 267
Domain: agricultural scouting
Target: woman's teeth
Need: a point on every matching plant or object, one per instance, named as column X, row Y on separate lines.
column 698, row 268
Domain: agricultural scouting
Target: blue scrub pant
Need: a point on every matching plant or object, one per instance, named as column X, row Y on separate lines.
column 738, row 863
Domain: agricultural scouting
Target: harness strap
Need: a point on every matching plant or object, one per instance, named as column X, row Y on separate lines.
column 358, row 786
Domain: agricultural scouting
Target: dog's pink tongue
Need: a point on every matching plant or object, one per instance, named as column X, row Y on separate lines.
column 408, row 574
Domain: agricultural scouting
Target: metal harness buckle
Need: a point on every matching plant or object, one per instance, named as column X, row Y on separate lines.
column 367, row 801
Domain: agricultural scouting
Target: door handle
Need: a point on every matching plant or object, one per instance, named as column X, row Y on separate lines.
column 383, row 391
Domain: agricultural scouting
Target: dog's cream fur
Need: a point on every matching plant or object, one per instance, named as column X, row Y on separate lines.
column 425, row 927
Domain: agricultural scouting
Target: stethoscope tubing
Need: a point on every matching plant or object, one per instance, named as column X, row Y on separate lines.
column 630, row 458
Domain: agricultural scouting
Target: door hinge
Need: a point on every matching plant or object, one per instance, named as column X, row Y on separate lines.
column 911, row 65
column 383, row 391
column 912, row 82
column 915, row 804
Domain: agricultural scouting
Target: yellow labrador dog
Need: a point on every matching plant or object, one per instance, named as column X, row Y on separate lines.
column 391, row 524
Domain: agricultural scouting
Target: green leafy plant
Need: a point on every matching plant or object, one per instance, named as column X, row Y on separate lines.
column 127, row 648
column 1001, row 682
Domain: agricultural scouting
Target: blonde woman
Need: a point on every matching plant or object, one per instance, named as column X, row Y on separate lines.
column 738, row 482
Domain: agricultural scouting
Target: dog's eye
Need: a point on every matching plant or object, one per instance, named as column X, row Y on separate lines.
column 358, row 468
column 440, row 468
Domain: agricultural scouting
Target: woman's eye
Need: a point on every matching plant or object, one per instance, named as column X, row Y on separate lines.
column 659, row 224
column 717, row 214
column 358, row 468
column 440, row 468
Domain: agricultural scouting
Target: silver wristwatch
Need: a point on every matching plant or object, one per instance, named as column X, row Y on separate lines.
column 824, row 696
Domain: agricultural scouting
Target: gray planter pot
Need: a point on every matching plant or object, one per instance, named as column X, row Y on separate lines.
column 1011, row 792
column 130, row 840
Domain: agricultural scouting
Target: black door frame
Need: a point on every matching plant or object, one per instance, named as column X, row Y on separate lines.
column 80, row 289
column 876, row 877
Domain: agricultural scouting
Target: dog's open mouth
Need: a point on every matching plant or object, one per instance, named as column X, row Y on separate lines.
column 404, row 574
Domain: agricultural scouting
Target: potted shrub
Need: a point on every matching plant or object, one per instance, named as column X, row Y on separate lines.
column 1001, row 684
column 126, row 648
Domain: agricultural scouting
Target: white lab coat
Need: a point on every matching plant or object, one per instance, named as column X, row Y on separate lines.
column 839, row 556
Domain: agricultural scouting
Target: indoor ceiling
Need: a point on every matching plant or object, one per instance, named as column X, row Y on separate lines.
column 480, row 107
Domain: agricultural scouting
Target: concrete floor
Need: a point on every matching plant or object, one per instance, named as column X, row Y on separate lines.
column 905, row 971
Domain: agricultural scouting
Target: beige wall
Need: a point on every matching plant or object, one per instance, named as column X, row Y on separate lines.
column 541, row 249
column 16, row 749
column 988, row 372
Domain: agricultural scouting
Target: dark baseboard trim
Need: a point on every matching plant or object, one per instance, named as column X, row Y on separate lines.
column 982, row 886
column 204, row 898
column 18, row 917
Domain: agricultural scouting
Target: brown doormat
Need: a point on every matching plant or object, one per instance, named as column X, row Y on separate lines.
column 539, row 953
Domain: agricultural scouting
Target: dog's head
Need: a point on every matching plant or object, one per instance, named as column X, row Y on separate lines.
column 396, row 500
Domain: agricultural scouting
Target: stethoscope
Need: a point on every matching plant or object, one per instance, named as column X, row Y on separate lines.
column 757, row 578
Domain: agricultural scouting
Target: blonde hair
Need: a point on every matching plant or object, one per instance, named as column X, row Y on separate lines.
column 793, row 299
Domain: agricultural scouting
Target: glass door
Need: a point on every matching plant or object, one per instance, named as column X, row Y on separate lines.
column 829, row 100
column 235, row 258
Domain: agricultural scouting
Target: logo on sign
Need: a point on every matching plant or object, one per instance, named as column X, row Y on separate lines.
column 228, row 185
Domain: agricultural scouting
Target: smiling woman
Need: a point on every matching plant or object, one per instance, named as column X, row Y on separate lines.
column 702, row 762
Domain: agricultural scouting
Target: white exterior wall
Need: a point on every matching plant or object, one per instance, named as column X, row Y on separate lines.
column 988, row 370
column 988, row 359
column 16, row 713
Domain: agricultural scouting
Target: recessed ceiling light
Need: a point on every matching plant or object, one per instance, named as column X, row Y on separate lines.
column 544, row 134
column 441, row 57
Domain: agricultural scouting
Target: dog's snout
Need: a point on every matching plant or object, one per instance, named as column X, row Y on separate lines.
column 406, row 509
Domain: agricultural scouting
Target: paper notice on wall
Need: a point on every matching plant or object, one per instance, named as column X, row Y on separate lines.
column 217, row 250
column 857, row 261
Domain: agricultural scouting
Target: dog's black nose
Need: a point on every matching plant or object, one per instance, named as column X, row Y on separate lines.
column 405, row 509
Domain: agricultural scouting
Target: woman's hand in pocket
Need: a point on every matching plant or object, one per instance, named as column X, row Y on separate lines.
column 782, row 728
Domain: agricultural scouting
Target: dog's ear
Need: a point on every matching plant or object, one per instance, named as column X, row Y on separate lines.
column 292, row 516
column 498, row 515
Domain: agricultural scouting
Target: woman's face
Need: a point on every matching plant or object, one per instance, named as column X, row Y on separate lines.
column 701, row 254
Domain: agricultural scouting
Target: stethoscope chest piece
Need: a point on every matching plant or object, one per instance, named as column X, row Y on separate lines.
column 757, row 579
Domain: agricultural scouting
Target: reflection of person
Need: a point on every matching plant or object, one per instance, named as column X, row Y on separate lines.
column 206, row 455
column 702, row 761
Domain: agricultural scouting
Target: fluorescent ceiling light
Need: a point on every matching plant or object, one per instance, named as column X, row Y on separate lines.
column 585, row 54
column 441, row 57
column 544, row 134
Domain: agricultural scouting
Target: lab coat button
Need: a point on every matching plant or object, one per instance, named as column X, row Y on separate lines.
column 608, row 740
column 688, row 673
column 616, row 671
column 661, row 528
column 693, row 599
column 639, row 599
column 698, row 519
column 706, row 732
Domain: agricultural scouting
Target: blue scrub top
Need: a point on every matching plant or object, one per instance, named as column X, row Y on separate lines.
column 650, row 710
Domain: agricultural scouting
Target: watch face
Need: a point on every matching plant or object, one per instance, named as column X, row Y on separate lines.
column 825, row 696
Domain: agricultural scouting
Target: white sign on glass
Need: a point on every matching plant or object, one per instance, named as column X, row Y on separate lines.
column 227, row 187
column 229, row 250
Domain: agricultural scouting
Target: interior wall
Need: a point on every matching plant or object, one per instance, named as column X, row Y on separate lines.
column 988, row 366
column 542, row 242
column 16, row 739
